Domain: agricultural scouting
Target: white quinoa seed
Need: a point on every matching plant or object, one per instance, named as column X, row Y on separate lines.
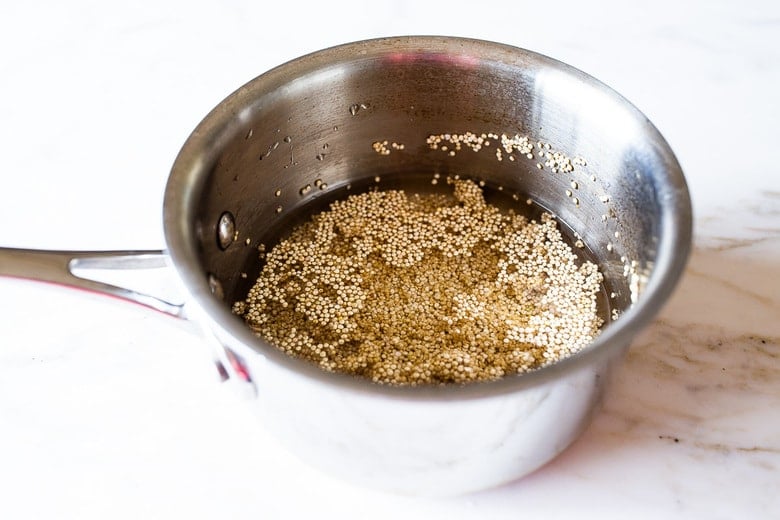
column 381, row 148
column 425, row 289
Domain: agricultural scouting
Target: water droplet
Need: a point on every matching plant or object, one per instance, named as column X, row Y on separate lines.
column 278, row 209
column 335, row 128
column 278, row 193
column 270, row 149
column 248, row 241
column 354, row 108
column 324, row 186
column 226, row 230
column 215, row 286
column 318, row 183
column 287, row 139
column 574, row 185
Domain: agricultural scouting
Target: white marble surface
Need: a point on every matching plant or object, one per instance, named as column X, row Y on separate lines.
column 107, row 411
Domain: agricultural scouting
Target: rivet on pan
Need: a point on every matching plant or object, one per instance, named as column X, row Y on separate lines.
column 226, row 230
column 215, row 286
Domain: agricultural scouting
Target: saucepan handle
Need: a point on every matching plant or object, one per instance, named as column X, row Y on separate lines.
column 58, row 267
column 72, row 269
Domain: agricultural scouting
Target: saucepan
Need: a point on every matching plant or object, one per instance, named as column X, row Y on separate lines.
column 299, row 135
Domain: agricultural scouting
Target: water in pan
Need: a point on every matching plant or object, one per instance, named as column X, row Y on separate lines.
column 378, row 350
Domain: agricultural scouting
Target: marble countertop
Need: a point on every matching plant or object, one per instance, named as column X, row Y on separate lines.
column 109, row 411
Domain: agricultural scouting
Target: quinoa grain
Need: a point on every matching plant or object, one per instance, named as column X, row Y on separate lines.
column 413, row 289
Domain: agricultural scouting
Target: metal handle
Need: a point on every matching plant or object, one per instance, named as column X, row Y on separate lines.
column 64, row 267
column 58, row 267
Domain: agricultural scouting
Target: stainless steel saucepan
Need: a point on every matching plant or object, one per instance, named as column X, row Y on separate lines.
column 302, row 132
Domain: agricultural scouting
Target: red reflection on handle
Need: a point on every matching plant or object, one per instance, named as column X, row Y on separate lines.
column 238, row 364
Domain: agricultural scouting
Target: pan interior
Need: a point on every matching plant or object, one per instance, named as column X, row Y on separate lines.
column 296, row 138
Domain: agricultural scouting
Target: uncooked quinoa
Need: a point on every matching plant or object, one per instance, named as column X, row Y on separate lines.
column 409, row 289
